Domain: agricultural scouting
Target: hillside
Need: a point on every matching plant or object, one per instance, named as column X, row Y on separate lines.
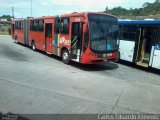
column 147, row 11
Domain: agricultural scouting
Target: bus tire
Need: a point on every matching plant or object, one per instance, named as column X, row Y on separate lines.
column 65, row 56
column 33, row 46
column 16, row 39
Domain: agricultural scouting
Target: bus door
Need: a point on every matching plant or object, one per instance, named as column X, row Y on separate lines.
column 156, row 52
column 48, row 37
column 127, row 42
column 13, row 29
column 26, row 39
column 146, row 38
column 76, row 40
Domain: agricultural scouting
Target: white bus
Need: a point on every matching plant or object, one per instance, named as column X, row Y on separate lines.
column 139, row 42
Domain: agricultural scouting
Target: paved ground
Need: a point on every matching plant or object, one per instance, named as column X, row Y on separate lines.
column 33, row 82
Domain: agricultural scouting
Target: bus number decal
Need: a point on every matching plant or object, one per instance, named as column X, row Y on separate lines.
column 77, row 19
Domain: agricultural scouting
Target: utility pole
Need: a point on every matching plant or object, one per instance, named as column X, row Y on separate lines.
column 12, row 12
column 31, row 8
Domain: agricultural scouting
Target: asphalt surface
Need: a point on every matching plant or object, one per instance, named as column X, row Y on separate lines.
column 34, row 82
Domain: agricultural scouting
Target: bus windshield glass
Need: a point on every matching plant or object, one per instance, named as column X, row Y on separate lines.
column 103, row 32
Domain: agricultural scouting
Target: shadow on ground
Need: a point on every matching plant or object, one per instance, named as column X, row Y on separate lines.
column 95, row 67
column 12, row 54
column 133, row 65
column 86, row 67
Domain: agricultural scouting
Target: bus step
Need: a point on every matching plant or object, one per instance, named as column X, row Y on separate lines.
column 73, row 56
column 140, row 63
column 145, row 61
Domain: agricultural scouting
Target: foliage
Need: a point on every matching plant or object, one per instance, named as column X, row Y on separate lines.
column 149, row 10
column 8, row 17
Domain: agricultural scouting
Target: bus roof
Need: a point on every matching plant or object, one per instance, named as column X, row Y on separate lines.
column 43, row 17
column 76, row 14
column 139, row 22
column 19, row 19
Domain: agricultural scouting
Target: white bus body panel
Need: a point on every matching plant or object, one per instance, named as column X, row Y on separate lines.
column 156, row 59
column 126, row 49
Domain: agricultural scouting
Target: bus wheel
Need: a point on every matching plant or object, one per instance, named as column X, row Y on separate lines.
column 16, row 39
column 33, row 46
column 65, row 56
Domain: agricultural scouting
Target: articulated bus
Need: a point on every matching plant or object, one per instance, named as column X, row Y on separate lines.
column 87, row 38
column 139, row 42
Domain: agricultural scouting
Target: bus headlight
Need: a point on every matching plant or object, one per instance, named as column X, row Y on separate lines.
column 109, row 55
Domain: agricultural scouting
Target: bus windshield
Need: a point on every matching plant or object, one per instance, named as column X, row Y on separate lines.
column 103, row 33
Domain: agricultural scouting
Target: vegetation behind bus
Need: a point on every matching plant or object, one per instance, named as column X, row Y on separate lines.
column 148, row 10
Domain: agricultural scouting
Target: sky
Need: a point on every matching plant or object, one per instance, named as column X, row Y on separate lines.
column 22, row 8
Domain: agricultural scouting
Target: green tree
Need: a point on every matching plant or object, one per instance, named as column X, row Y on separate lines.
column 147, row 9
column 8, row 17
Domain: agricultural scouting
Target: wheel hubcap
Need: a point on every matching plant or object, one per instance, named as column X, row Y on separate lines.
column 33, row 47
column 65, row 55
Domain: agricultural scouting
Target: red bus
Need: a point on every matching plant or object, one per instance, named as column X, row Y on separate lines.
column 87, row 38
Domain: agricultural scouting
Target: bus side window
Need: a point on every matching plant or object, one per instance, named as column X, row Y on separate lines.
column 31, row 25
column 40, row 25
column 120, row 32
column 19, row 25
column 129, row 33
column 65, row 26
column 57, row 25
column 34, row 25
column 49, row 30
